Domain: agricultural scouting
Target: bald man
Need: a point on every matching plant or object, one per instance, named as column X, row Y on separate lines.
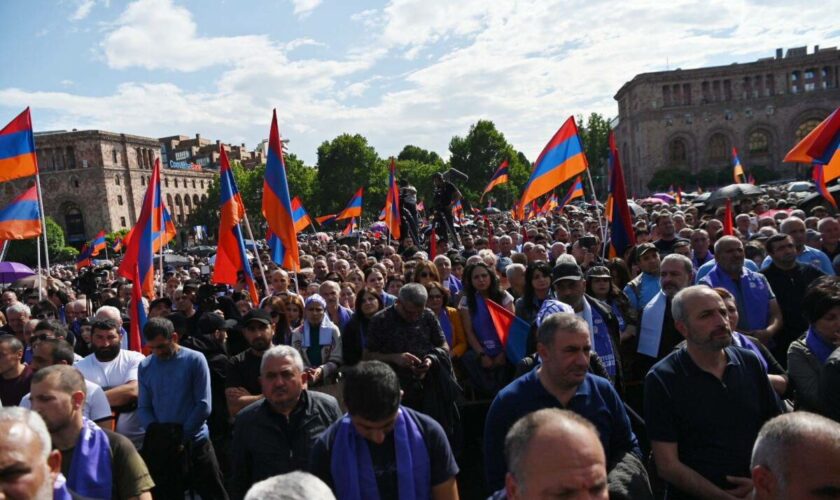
column 28, row 464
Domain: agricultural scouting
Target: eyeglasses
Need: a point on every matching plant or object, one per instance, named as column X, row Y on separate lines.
column 39, row 338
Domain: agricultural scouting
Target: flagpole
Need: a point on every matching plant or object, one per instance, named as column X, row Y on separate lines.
column 43, row 221
column 162, row 232
column 38, row 247
column 256, row 251
column 601, row 227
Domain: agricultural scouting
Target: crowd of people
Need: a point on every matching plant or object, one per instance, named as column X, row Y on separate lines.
column 696, row 365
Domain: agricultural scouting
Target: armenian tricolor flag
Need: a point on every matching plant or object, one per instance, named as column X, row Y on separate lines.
column 21, row 219
column 512, row 331
column 277, row 204
column 500, row 176
column 550, row 204
column 136, row 315
column 17, row 149
column 299, row 215
column 98, row 244
column 392, row 203
column 821, row 145
column 354, row 206
column 819, row 180
column 561, row 159
column 118, row 245
column 622, row 235
column 738, row 170
column 574, row 192
column 325, row 219
column 458, row 211
column 231, row 260
column 351, row 226
column 85, row 259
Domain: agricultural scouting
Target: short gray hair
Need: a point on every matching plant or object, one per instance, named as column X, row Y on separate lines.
column 296, row 485
column 725, row 239
column 414, row 294
column 108, row 312
column 686, row 262
column 282, row 351
column 781, row 434
column 560, row 322
column 32, row 420
column 681, row 299
column 19, row 308
column 785, row 225
column 519, row 436
column 512, row 268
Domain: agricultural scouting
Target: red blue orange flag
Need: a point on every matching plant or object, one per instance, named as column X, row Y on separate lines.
column 678, row 196
column 575, row 191
column 512, row 331
column 325, row 219
column 354, row 206
column 458, row 211
column 146, row 237
column 84, row 259
column 136, row 315
column 819, row 181
column 277, row 203
column 622, row 235
column 98, row 244
column 561, row 159
column 728, row 219
column 392, row 203
column 738, row 169
column 299, row 215
column 21, row 219
column 17, row 149
column 350, row 227
column 231, row 260
column 118, row 245
column 550, row 204
column 500, row 176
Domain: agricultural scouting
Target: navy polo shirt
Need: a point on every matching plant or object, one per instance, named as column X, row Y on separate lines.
column 596, row 400
column 714, row 422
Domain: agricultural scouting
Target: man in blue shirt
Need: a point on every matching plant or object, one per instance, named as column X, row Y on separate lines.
column 173, row 405
column 562, row 381
column 646, row 285
column 795, row 228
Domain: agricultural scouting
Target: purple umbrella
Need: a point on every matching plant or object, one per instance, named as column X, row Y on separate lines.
column 13, row 271
column 665, row 197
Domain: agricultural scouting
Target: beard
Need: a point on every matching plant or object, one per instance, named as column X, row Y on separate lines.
column 106, row 353
column 260, row 344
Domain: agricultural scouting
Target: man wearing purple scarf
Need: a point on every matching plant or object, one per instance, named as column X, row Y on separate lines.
column 381, row 449
column 97, row 463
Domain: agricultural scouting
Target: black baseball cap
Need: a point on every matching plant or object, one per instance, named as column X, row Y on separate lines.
column 566, row 271
column 263, row 317
column 644, row 248
column 210, row 322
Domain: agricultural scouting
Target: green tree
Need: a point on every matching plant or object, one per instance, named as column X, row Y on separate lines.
column 25, row 251
column 303, row 180
column 420, row 155
column 345, row 164
column 419, row 175
column 595, row 136
column 479, row 154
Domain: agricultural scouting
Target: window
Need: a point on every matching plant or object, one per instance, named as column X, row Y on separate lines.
column 193, row 183
column 75, row 224
column 677, row 152
column 122, row 221
column 142, row 180
column 115, row 156
column 176, row 183
column 74, row 182
column 71, row 157
column 686, row 95
column 202, row 183
column 166, row 182
column 119, row 200
column 806, row 128
column 769, row 85
column 117, row 179
column 759, row 143
column 718, row 147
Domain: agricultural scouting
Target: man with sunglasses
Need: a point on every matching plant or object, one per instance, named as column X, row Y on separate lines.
column 242, row 384
column 50, row 329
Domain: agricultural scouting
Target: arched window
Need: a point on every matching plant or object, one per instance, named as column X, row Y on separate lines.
column 75, row 224
column 193, row 183
column 176, row 183
column 166, row 182
column 117, row 179
column 759, row 143
column 143, row 180
column 678, row 152
column 177, row 200
column 718, row 147
column 805, row 128
column 196, row 200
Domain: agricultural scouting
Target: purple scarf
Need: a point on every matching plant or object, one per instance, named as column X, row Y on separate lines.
column 445, row 325
column 751, row 296
column 742, row 341
column 819, row 347
column 90, row 473
column 352, row 467
column 484, row 329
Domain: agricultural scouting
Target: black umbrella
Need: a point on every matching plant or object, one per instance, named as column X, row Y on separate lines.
column 733, row 192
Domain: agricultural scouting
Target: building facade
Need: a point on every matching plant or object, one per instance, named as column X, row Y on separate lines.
column 691, row 119
column 183, row 152
column 94, row 180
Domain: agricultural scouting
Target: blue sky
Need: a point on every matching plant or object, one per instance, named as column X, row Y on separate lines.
column 398, row 72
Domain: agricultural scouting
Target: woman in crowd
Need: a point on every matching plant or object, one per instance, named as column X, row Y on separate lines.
column 294, row 310
column 425, row 272
column 485, row 361
column 347, row 295
column 395, row 282
column 599, row 284
column 279, row 322
column 319, row 342
column 375, row 278
column 775, row 372
column 450, row 320
column 808, row 354
column 357, row 278
column 368, row 303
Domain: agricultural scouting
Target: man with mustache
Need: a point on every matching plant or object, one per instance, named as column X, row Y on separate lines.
column 705, row 403
column 115, row 370
column 242, row 384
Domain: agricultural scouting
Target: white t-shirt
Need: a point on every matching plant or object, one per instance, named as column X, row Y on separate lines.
column 119, row 371
column 96, row 404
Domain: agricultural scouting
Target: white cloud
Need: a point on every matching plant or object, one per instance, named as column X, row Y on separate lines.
column 82, row 10
column 67, row 83
column 305, row 7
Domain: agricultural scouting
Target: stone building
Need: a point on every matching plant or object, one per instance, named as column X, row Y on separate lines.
column 93, row 180
column 180, row 151
column 691, row 119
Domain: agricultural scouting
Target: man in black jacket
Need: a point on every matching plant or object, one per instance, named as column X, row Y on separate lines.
column 570, row 287
column 275, row 435
column 789, row 279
